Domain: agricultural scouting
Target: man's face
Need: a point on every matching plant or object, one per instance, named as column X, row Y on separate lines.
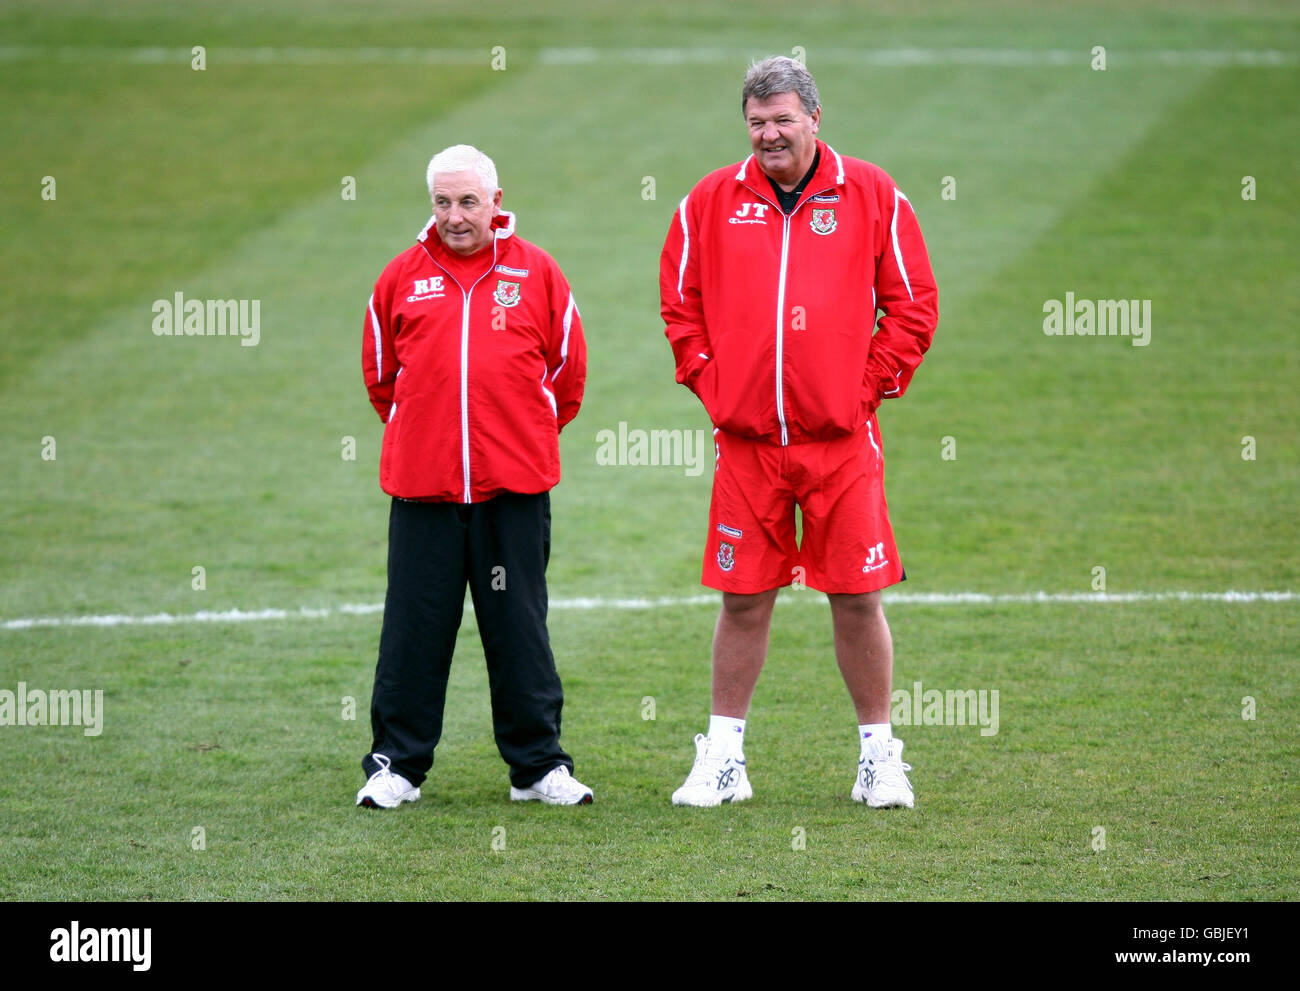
column 463, row 211
column 783, row 136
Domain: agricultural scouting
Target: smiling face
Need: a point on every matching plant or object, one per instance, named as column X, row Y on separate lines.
column 783, row 135
column 463, row 211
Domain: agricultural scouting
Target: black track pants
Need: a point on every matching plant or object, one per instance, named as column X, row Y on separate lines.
column 501, row 548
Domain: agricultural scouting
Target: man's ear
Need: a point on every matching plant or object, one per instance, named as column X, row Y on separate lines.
column 496, row 202
column 816, row 119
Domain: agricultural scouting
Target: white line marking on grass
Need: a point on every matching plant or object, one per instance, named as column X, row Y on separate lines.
column 700, row 55
column 925, row 56
column 219, row 55
column 663, row 602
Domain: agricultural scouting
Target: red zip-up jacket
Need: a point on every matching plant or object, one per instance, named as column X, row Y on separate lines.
column 772, row 319
column 474, row 382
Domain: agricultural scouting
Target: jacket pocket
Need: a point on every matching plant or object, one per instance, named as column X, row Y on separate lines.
column 706, row 388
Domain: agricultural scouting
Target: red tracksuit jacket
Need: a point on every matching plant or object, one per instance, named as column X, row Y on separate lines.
column 473, row 382
column 771, row 318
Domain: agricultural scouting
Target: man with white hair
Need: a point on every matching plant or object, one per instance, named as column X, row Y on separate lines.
column 474, row 358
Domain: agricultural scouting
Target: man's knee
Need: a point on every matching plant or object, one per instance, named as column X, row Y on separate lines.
column 864, row 605
column 747, row 609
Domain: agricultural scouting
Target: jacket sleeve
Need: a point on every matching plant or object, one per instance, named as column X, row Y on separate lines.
column 566, row 352
column 907, row 299
column 378, row 355
column 681, row 304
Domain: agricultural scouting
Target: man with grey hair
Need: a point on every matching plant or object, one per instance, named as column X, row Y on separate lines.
column 474, row 358
column 797, row 295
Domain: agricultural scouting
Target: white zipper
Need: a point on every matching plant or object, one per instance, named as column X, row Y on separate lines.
column 780, row 326
column 464, row 388
column 780, row 298
column 464, row 370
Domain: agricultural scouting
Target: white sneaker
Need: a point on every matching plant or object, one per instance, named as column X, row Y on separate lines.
column 715, row 778
column 384, row 789
column 882, row 782
column 559, row 787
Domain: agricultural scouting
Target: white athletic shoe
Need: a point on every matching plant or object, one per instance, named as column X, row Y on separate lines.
column 559, row 787
column 882, row 782
column 714, row 780
column 384, row 789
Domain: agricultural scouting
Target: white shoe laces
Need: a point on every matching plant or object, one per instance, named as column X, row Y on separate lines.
column 562, row 783
column 384, row 773
column 707, row 766
column 889, row 770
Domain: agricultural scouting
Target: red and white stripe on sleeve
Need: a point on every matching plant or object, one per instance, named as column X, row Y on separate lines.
column 378, row 360
column 907, row 299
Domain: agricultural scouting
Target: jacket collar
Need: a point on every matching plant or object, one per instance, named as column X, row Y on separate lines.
column 503, row 227
column 830, row 171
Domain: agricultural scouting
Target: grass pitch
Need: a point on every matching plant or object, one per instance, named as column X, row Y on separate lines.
column 1072, row 453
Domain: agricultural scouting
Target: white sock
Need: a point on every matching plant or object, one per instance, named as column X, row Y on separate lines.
column 727, row 733
column 869, row 733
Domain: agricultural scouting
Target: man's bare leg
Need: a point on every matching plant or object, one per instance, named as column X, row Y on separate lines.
column 739, row 650
column 864, row 651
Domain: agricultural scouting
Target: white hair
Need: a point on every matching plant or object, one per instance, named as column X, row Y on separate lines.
column 464, row 158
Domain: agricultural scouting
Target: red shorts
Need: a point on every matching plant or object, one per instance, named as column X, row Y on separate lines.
column 839, row 485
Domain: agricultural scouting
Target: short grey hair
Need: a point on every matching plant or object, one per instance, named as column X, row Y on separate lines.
column 776, row 75
column 463, row 158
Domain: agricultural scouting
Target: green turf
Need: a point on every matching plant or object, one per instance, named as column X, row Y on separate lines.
column 1128, row 719
column 1072, row 454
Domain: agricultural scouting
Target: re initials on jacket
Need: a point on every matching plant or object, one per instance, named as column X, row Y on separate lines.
column 427, row 287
